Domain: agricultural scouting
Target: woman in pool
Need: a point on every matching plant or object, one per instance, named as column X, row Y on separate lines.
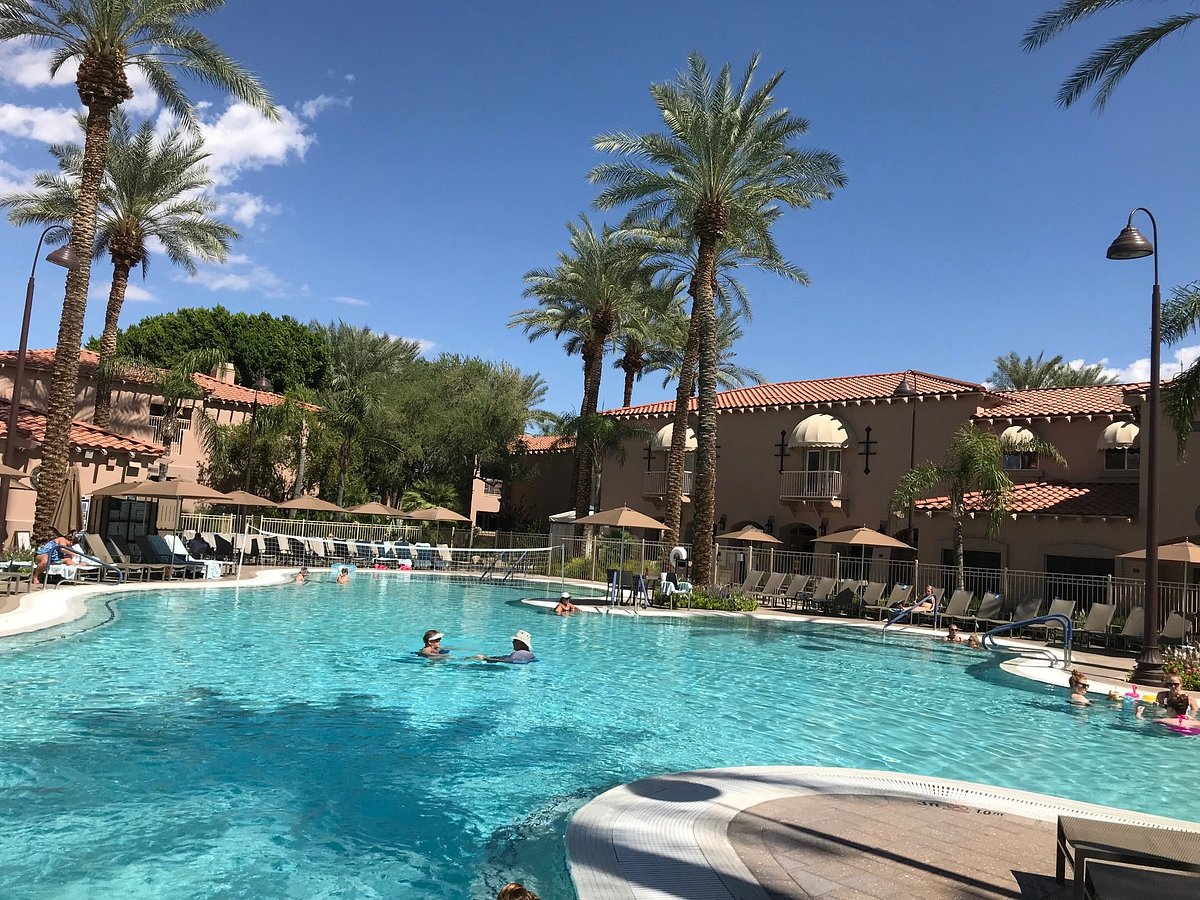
column 1079, row 688
column 433, row 644
column 301, row 576
column 1174, row 715
column 344, row 576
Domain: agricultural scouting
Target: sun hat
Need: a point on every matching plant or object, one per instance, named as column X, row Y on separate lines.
column 566, row 595
column 524, row 638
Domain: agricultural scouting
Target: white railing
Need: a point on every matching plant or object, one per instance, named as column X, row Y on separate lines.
column 493, row 488
column 181, row 425
column 225, row 524
column 813, row 485
column 655, row 484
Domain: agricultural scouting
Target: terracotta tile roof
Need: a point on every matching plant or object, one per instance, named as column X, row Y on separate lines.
column 213, row 388
column 1093, row 400
column 1116, row 500
column 819, row 392
column 545, row 443
column 84, row 435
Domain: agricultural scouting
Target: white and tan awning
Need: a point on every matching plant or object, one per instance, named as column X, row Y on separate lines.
column 1017, row 436
column 820, row 430
column 662, row 440
column 1119, row 436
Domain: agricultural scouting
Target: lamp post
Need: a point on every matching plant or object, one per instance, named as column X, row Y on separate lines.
column 64, row 256
column 1130, row 244
column 907, row 388
column 261, row 385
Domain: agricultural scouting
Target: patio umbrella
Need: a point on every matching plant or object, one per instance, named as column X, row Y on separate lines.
column 311, row 504
column 863, row 537
column 1179, row 552
column 435, row 514
column 245, row 498
column 377, row 509
column 173, row 490
column 750, row 533
column 622, row 517
column 17, row 477
column 68, row 514
column 116, row 489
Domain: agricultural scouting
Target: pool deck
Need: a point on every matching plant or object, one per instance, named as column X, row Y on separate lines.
column 776, row 833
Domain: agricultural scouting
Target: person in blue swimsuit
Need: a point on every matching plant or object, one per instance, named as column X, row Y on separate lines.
column 56, row 550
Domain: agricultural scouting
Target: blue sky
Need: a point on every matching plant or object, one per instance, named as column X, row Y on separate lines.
column 431, row 153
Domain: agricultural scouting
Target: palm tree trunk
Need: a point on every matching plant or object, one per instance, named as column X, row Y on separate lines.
column 301, row 461
column 629, row 376
column 60, row 405
column 102, row 414
column 592, row 371
column 704, row 491
column 959, row 552
column 673, row 501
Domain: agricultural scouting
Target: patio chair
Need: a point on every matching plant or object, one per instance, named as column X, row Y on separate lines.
column 1134, row 627
column 424, row 555
column 770, row 590
column 753, row 580
column 160, row 555
column 1097, row 623
column 1176, row 628
column 843, row 602
column 212, row 568
column 1058, row 607
column 989, row 613
column 1027, row 609
column 872, row 599
column 444, row 558
column 960, row 602
column 12, row 581
column 898, row 597
column 123, row 552
column 795, row 591
column 94, row 546
column 821, row 593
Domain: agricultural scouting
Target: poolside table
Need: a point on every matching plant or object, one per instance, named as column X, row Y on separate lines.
column 1081, row 840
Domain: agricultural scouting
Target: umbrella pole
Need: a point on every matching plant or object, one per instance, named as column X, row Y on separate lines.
column 242, row 549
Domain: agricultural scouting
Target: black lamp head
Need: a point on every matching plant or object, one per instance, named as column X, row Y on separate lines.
column 1130, row 244
column 64, row 256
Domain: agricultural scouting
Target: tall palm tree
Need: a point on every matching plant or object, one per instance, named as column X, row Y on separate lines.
column 973, row 462
column 721, row 172
column 1181, row 399
column 1015, row 374
column 667, row 355
column 104, row 37
column 362, row 363
column 598, row 284
column 1108, row 65
column 150, row 191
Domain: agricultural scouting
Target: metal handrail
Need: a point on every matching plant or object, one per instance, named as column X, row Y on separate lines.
column 513, row 567
column 120, row 572
column 1067, row 625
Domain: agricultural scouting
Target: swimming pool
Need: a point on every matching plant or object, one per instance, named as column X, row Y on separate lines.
column 285, row 741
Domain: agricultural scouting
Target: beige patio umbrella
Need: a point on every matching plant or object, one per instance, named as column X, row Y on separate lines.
column 173, row 490
column 116, row 489
column 311, row 504
column 750, row 533
column 622, row 517
column 862, row 537
column 1179, row 552
column 16, row 475
column 375, row 508
column 245, row 498
column 435, row 514
column 68, row 514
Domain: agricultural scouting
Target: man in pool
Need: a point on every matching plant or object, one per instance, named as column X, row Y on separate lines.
column 565, row 607
column 952, row 635
column 1175, row 690
column 433, row 644
column 343, row 576
column 301, row 576
column 522, row 651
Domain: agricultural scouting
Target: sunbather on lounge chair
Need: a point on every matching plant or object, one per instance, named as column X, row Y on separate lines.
column 56, row 550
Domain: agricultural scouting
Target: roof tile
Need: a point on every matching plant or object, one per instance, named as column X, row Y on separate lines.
column 1055, row 498
column 84, row 435
column 1096, row 399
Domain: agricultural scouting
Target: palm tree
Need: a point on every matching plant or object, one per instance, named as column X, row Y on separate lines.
column 1108, row 65
column 974, row 461
column 151, row 191
column 1181, row 399
column 720, row 174
column 666, row 355
column 598, row 284
column 362, row 363
column 156, row 37
column 1015, row 374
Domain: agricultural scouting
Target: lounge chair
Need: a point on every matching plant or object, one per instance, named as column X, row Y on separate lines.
column 444, row 558
column 872, row 596
column 1085, row 843
column 1176, row 628
column 1027, row 609
column 770, row 590
column 843, row 602
column 795, row 591
column 160, row 555
column 1134, row 627
column 213, row 568
column 960, row 602
column 898, row 597
column 424, row 555
column 821, row 593
column 1097, row 623
column 94, row 546
column 122, row 552
column 1057, row 608
column 753, row 580
column 989, row 613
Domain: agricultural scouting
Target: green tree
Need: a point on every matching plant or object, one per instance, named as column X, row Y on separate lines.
column 1108, row 65
column 667, row 353
column 1181, row 399
column 601, row 283
column 1015, row 374
column 720, row 174
column 974, row 462
column 151, row 191
column 105, row 38
column 289, row 354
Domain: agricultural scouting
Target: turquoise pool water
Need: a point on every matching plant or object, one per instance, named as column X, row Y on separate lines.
column 285, row 742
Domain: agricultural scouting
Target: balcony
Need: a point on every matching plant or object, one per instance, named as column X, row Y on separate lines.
column 655, row 484
column 814, row 485
column 156, row 428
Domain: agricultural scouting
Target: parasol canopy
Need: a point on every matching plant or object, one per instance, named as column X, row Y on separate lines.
column 1183, row 551
column 245, row 498
column 172, row 490
column 68, row 514
column 435, row 514
column 622, row 517
column 862, row 537
column 749, row 533
column 375, row 508
column 311, row 504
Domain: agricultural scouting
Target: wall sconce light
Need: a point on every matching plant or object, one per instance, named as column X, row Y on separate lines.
column 769, row 528
column 722, row 522
column 823, row 529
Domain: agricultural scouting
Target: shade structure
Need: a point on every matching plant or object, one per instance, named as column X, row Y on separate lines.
column 749, row 533
column 376, row 509
column 435, row 514
column 311, row 504
column 245, row 498
column 1181, row 551
column 10, row 472
column 863, row 537
column 172, row 490
column 116, row 489
column 68, row 514
column 622, row 517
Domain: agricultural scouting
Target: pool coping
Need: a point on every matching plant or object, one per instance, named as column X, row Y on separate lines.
column 667, row 836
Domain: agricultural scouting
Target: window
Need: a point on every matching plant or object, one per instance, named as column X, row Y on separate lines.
column 1121, row 459
column 1019, row 462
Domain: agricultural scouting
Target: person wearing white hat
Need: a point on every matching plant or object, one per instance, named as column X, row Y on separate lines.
column 433, row 644
column 522, row 651
column 565, row 607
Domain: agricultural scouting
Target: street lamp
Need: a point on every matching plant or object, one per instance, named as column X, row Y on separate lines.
column 64, row 256
column 261, row 385
column 908, row 388
column 1130, row 244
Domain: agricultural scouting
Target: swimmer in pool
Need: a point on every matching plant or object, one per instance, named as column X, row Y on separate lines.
column 433, row 644
column 952, row 635
column 1174, row 714
column 1079, row 688
column 522, row 650
column 565, row 607
column 301, row 576
column 344, row 576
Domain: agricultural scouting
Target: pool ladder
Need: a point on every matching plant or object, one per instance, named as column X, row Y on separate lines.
column 1068, row 628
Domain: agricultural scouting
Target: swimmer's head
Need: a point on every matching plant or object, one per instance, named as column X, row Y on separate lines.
column 566, row 595
column 431, row 635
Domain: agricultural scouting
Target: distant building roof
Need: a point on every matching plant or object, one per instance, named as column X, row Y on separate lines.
column 545, row 443
column 815, row 393
column 84, row 435
column 1094, row 400
column 1116, row 500
column 213, row 388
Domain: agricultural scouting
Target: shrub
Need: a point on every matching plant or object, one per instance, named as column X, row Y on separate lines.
column 708, row 599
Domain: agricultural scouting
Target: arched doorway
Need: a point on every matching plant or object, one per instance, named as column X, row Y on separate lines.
column 798, row 537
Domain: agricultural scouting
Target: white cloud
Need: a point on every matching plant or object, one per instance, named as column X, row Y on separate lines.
column 423, row 346
column 49, row 125
column 239, row 274
column 13, row 178
column 1139, row 369
column 241, row 139
column 29, row 67
column 133, row 293
column 244, row 208
column 350, row 301
column 310, row 109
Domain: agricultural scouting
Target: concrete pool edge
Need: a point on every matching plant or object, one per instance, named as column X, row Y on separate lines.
column 665, row 835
